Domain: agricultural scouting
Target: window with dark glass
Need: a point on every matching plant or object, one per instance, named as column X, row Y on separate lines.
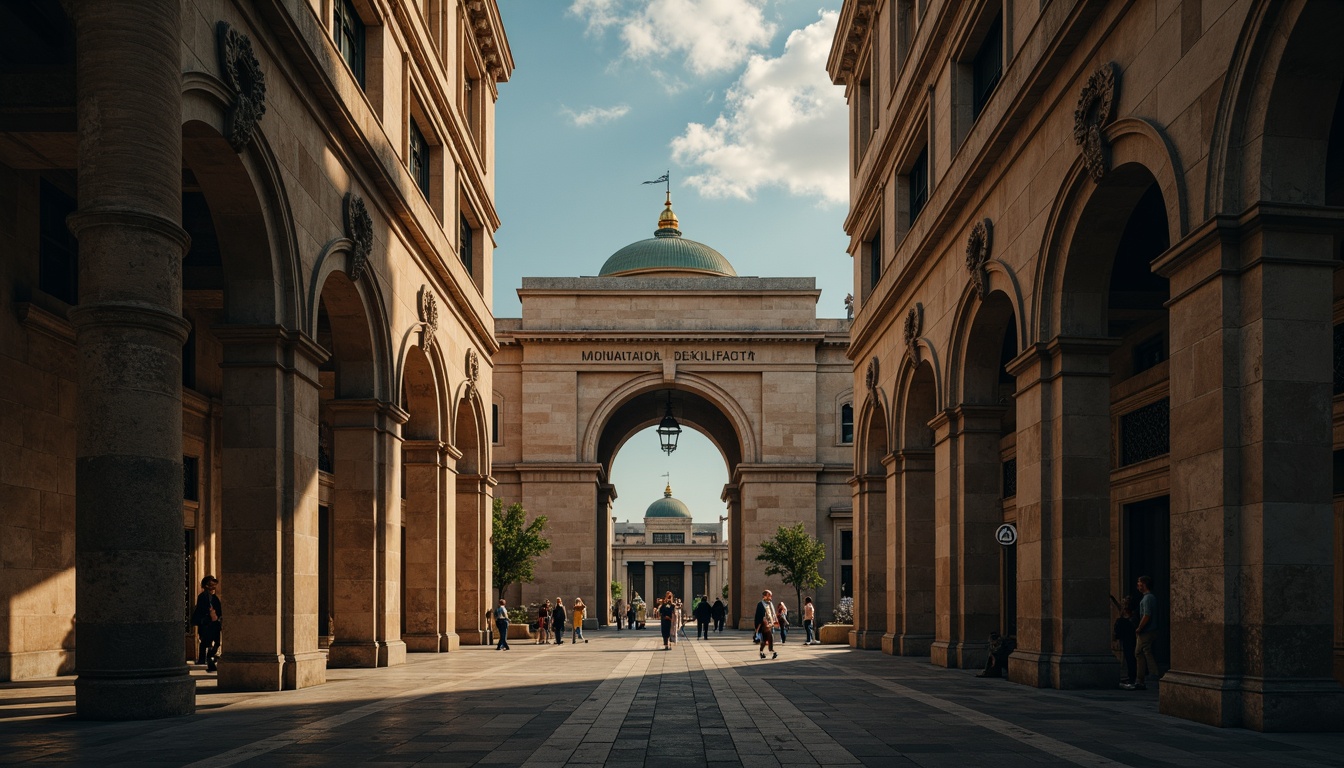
column 847, row 423
column 875, row 258
column 1149, row 353
column 846, row 545
column 918, row 180
column 494, row 422
column 846, row 581
column 191, row 478
column 464, row 244
column 189, row 360
column 58, row 251
column 469, row 106
column 348, row 30
column 419, row 159
column 669, row 538
column 987, row 67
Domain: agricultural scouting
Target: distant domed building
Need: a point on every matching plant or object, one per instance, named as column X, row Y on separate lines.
column 669, row 551
column 667, row 254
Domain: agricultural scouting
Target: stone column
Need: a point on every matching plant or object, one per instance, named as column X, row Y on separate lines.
column 600, row 610
column 913, row 553
column 355, row 532
column 1063, row 514
column 870, row 560
column 472, row 545
column 648, row 582
column 736, row 601
column 447, row 551
column 1251, row 517
column 130, row 331
column 425, row 532
column 391, row 648
column 269, row 526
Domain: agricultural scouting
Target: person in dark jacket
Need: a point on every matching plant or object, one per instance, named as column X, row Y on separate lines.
column 208, row 617
column 558, row 621
column 718, row 612
column 702, row 613
column 1123, row 633
column 766, row 620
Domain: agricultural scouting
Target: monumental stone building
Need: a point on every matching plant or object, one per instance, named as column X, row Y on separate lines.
column 669, row 551
column 668, row 326
column 245, row 330
column 1096, row 251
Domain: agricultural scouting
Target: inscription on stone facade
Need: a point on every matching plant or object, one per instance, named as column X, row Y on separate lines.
column 680, row 356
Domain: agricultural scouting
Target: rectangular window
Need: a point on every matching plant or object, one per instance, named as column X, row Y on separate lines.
column 987, row 67
column 494, row 423
column 847, row 423
column 846, row 545
column 348, row 30
column 918, row 180
column 669, row 538
column 58, row 251
column 191, row 467
column 418, row 158
column 464, row 243
column 846, row 581
column 1148, row 353
column 875, row 258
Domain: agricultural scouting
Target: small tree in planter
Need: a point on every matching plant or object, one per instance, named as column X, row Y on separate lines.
column 515, row 544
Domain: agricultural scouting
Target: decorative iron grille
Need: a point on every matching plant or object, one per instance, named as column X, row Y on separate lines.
column 1010, row 478
column 1145, row 432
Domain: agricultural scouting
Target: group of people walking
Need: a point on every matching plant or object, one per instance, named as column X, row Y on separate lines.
column 634, row 613
column 550, row 622
column 771, row 616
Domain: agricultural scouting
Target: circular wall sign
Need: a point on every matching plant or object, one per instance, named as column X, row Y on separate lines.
column 1006, row 534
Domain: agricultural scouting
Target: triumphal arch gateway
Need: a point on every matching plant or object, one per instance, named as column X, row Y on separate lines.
column 744, row 360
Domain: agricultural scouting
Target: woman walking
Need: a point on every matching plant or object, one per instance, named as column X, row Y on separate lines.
column 666, row 612
column 578, row 611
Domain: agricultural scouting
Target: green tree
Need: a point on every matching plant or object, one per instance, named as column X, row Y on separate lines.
column 616, row 590
column 794, row 556
column 516, row 544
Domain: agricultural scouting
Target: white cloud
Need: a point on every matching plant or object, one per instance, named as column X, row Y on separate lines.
column 595, row 115
column 783, row 124
column 712, row 35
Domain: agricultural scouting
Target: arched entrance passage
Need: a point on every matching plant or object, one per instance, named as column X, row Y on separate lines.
column 873, row 462
column 426, row 509
column 473, row 501
column 912, row 583
column 1093, row 437
column 260, row 533
column 640, row 410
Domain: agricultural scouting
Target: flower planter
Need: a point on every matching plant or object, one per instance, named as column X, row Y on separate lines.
column 835, row 634
column 519, row 632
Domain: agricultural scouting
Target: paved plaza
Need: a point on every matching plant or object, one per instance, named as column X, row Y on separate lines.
column 620, row 700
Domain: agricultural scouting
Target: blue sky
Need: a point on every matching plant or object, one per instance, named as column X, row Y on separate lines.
column 731, row 96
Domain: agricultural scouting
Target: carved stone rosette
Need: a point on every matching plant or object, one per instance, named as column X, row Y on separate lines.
column 429, row 317
column 242, row 74
column 874, row 371
column 359, row 229
column 473, row 368
column 914, row 327
column 978, row 245
column 1093, row 112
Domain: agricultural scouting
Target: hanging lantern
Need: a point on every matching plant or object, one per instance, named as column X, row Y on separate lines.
column 668, row 429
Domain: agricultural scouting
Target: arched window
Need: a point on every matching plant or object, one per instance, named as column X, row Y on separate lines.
column 847, row 423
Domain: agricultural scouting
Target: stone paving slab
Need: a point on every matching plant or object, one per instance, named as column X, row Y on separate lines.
column 621, row 700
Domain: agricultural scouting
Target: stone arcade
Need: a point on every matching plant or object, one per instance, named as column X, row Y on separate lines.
column 746, row 362
column 1096, row 250
column 269, row 331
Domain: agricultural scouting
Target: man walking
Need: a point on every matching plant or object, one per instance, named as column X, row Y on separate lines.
column 558, row 621
column 765, row 624
column 502, row 626
column 1144, row 634
column 702, row 613
column 208, row 618
column 718, row 612
column 809, row 614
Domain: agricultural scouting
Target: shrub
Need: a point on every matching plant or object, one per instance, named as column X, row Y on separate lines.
column 844, row 614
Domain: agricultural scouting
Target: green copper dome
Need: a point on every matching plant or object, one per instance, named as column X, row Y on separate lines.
column 668, row 507
column 667, row 252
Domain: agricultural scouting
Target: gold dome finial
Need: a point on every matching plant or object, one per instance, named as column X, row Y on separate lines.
column 667, row 492
column 668, row 219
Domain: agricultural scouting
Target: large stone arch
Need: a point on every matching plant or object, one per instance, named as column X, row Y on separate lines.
column 1270, row 136
column 472, row 507
column 913, row 511
column 872, row 566
column 426, row 504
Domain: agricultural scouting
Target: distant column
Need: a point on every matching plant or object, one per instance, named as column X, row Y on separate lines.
column 686, row 586
column 648, row 581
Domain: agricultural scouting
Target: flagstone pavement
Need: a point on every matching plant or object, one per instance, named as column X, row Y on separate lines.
column 620, row 700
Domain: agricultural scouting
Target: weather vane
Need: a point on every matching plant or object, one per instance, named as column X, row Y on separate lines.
column 663, row 180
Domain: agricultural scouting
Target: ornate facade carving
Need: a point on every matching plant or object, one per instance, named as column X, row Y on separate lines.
column 913, row 329
column 858, row 30
column 1093, row 112
column 359, row 229
column 242, row 73
column 485, row 38
column 874, row 372
column 978, row 247
column 473, row 368
column 429, row 317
